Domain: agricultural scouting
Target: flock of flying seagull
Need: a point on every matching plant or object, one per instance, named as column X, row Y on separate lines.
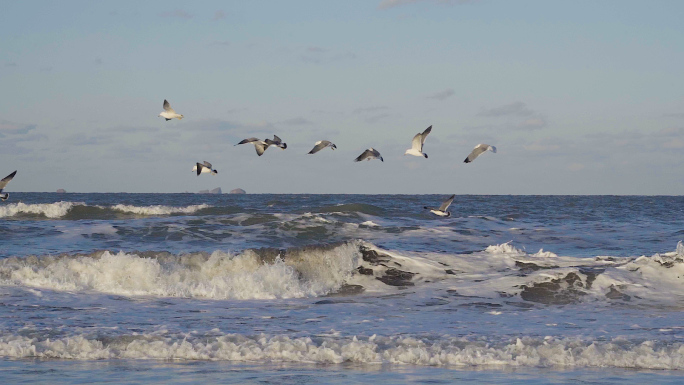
column 262, row 145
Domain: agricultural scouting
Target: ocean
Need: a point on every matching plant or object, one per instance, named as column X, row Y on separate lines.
column 294, row 289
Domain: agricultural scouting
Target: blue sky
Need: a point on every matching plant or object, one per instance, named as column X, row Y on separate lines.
column 580, row 97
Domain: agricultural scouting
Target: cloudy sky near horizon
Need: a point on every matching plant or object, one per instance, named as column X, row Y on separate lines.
column 580, row 97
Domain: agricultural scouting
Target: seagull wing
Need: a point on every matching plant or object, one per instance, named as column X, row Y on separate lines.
column 425, row 134
column 366, row 154
column 249, row 140
column 277, row 139
column 321, row 144
column 199, row 168
column 6, row 180
column 260, row 147
column 207, row 164
column 167, row 107
column 417, row 142
column 447, row 203
column 479, row 149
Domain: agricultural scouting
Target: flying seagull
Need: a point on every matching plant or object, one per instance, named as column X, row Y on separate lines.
column 441, row 211
column 321, row 144
column 259, row 144
column 169, row 113
column 479, row 149
column 417, row 143
column 203, row 168
column 276, row 142
column 369, row 154
column 3, row 183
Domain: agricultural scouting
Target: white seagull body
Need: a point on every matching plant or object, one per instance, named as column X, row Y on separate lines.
column 479, row 149
column 204, row 168
column 3, row 183
column 441, row 211
column 417, row 143
column 169, row 113
column 369, row 154
column 321, row 144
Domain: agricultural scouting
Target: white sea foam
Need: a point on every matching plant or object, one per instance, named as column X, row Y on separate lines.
column 158, row 209
column 446, row 351
column 221, row 275
column 50, row 210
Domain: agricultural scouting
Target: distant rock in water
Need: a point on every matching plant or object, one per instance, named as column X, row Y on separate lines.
column 61, row 191
column 238, row 191
column 214, row 191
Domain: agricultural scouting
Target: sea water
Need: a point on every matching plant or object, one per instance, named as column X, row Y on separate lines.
column 164, row 288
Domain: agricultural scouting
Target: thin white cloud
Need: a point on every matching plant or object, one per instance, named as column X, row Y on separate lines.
column 364, row 110
column 298, row 121
column 512, row 109
column 442, row 95
column 219, row 15
column 177, row 14
column 387, row 4
column 11, row 128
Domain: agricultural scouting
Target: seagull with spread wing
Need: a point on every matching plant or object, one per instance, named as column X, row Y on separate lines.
column 204, row 168
column 417, row 143
column 321, row 144
column 441, row 211
column 169, row 113
column 479, row 149
column 3, row 183
column 369, row 154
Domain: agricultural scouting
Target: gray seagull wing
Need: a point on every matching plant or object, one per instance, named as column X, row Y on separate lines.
column 6, row 180
column 366, row 154
column 207, row 164
column 167, row 106
column 260, row 147
column 425, row 134
column 447, row 203
column 248, row 140
column 479, row 149
column 319, row 146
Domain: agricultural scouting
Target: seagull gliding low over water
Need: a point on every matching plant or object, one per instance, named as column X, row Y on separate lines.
column 441, row 211
column 3, row 183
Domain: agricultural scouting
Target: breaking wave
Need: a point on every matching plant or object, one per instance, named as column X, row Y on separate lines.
column 444, row 351
column 252, row 274
column 500, row 272
column 80, row 210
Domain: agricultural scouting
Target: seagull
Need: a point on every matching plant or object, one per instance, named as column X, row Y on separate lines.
column 277, row 142
column 369, row 154
column 417, row 143
column 202, row 168
column 479, row 149
column 259, row 145
column 321, row 144
column 441, row 211
column 3, row 183
column 169, row 113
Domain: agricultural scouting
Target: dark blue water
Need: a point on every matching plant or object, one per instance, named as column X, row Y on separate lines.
column 507, row 289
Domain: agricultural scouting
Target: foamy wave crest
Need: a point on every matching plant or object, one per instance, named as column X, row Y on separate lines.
column 50, row 210
column 459, row 352
column 252, row 274
column 158, row 209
